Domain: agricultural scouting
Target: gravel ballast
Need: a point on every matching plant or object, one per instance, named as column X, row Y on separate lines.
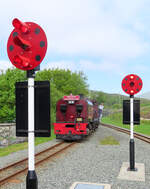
column 89, row 161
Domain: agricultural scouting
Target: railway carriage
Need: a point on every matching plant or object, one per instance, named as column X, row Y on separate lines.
column 76, row 117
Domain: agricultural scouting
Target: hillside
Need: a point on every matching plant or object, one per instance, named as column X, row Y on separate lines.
column 113, row 103
column 145, row 95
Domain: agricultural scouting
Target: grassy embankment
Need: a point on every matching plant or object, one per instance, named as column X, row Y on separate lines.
column 144, row 127
column 16, row 147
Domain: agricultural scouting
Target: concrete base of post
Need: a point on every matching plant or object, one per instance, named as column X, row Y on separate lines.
column 31, row 180
column 132, row 156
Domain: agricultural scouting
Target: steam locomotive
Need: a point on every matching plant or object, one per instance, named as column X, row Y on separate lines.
column 76, row 117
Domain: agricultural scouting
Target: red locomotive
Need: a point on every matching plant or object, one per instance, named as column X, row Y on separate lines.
column 76, row 117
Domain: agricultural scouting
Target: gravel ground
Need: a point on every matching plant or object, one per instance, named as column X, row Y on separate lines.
column 89, row 161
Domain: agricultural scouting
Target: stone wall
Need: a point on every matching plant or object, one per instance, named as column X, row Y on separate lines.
column 7, row 130
column 8, row 134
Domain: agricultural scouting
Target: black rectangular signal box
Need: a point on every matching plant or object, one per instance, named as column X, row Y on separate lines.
column 41, row 108
column 126, row 112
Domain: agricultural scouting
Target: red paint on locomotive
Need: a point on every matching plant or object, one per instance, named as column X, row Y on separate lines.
column 75, row 117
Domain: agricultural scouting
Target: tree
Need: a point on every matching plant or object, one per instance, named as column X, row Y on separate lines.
column 62, row 82
column 7, row 93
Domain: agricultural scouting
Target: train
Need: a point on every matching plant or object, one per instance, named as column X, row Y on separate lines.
column 76, row 117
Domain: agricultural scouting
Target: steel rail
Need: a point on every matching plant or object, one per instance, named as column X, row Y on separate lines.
column 127, row 131
column 24, row 168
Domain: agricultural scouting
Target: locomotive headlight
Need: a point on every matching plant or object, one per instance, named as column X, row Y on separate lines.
column 70, row 102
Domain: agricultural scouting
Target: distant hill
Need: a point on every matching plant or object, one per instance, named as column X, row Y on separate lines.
column 114, row 101
column 145, row 95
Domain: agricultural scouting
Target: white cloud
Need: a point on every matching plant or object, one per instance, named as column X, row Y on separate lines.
column 4, row 65
column 111, row 31
column 85, row 65
column 61, row 65
column 93, row 28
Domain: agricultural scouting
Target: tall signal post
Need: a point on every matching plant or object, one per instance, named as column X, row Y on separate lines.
column 26, row 48
column 131, row 84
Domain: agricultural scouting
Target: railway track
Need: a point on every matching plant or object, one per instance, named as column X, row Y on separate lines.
column 123, row 130
column 11, row 171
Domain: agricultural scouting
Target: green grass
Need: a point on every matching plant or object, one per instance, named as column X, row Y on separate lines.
column 116, row 119
column 145, row 111
column 16, row 147
column 109, row 140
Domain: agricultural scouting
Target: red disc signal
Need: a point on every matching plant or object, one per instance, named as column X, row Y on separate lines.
column 132, row 84
column 27, row 45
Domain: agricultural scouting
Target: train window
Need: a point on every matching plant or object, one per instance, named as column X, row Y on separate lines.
column 79, row 108
column 63, row 108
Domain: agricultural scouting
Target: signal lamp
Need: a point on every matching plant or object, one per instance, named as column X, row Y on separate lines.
column 132, row 91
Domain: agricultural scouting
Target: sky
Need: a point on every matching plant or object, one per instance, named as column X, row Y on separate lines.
column 106, row 39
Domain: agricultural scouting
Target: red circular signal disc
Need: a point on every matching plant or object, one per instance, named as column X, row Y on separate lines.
column 132, row 84
column 27, row 48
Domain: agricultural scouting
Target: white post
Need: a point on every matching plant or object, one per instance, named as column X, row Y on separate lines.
column 131, row 118
column 31, row 179
column 131, row 144
column 31, row 124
